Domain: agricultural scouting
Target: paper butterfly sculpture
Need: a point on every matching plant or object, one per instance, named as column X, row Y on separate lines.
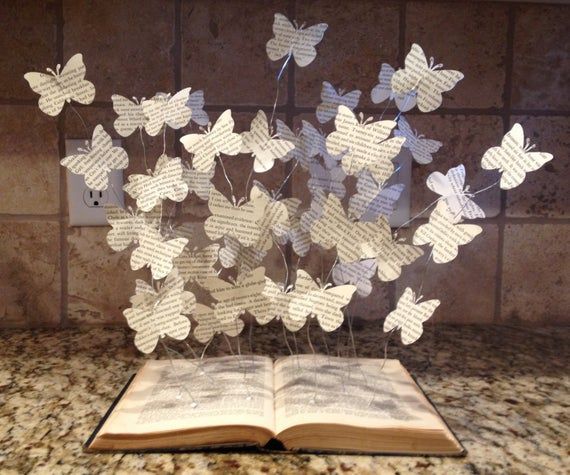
column 409, row 316
column 154, row 315
column 514, row 158
column 332, row 197
column 292, row 40
column 331, row 99
column 62, row 85
column 96, row 160
column 428, row 80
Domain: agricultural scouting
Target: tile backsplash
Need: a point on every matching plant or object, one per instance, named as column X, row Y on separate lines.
column 516, row 61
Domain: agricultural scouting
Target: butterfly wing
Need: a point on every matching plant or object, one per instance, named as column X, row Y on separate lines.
column 356, row 273
column 207, row 323
column 169, row 180
column 282, row 42
column 130, row 115
column 327, row 305
column 176, row 111
column 222, row 136
column 412, row 329
column 199, row 182
column 72, row 80
column 330, row 101
column 415, row 68
column 304, row 42
column 143, row 189
column 154, row 110
column 198, row 265
column 422, row 150
column 196, row 104
column 383, row 204
column 433, row 84
column 392, row 256
column 383, row 90
column 124, row 227
column 52, row 97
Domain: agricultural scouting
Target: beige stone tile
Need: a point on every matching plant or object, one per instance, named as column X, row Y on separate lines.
column 545, row 191
column 541, row 64
column 536, row 274
column 126, row 46
column 467, row 36
column 28, row 43
column 29, row 161
column 100, row 280
column 465, row 286
column 361, row 36
column 30, row 281
column 223, row 50
column 465, row 140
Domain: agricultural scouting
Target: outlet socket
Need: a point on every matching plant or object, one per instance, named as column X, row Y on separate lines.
column 86, row 206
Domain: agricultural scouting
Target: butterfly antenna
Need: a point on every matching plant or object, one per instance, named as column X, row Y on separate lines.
column 528, row 146
column 51, row 71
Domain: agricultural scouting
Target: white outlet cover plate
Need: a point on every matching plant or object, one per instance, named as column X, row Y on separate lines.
column 86, row 207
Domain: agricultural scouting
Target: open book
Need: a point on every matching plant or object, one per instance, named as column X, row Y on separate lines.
column 306, row 402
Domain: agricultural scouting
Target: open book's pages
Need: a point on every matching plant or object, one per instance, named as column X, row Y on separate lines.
column 362, row 405
column 178, row 404
column 308, row 402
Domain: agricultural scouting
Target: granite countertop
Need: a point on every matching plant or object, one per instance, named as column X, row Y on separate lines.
column 504, row 391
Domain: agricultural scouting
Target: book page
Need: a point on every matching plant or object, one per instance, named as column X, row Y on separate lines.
column 162, row 396
column 348, row 391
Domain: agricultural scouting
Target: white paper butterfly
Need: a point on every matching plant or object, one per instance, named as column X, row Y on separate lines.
column 372, row 200
column 356, row 273
column 409, row 316
column 219, row 139
column 383, row 91
column 125, row 225
column 420, row 147
column 427, row 79
column 97, row 160
column 155, row 315
column 265, row 148
column 154, row 252
column 291, row 39
column 130, row 115
column 278, row 305
column 198, row 182
column 196, row 105
column 209, row 324
column 365, row 145
column 451, row 187
column 308, row 143
column 164, row 109
column 61, row 86
column 327, row 179
column 514, row 158
column 331, row 99
column 323, row 303
column 198, row 265
column 166, row 182
column 444, row 235
column 233, row 254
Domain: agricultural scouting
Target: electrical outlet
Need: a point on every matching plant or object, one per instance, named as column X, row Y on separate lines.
column 86, row 206
column 403, row 165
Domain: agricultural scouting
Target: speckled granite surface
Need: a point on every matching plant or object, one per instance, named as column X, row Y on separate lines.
column 504, row 391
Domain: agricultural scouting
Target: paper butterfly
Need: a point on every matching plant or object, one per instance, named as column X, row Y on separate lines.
column 198, row 182
column 372, row 200
column 391, row 255
column 327, row 179
column 291, row 39
column 233, row 299
column 278, row 302
column 165, row 183
column 300, row 238
column 383, row 91
column 427, row 79
column 420, row 147
column 265, row 148
column 233, row 254
column 444, row 235
column 207, row 146
column 97, row 160
column 409, row 316
column 275, row 217
column 198, row 265
column 196, row 105
column 154, row 252
column 331, row 99
column 365, row 145
column 164, row 109
column 209, row 324
column 126, row 226
column 308, row 143
column 451, row 187
column 324, row 303
column 160, row 314
column 61, row 86
column 130, row 115
column 333, row 228
column 514, row 158
column 356, row 273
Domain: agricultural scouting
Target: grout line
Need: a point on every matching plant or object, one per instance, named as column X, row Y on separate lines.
column 502, row 221
column 63, row 268
column 30, row 217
